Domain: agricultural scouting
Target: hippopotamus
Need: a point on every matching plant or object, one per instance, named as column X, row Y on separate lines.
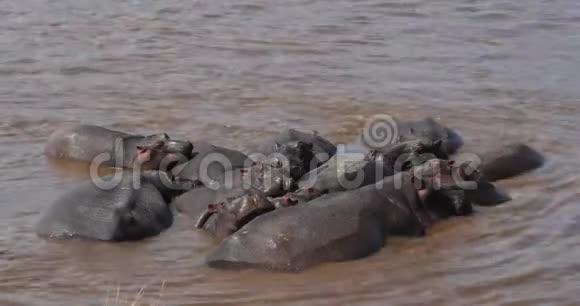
column 334, row 227
column 350, row 171
column 212, row 164
column 133, row 208
column 232, row 184
column 122, row 150
column 321, row 148
column 343, row 172
column 209, row 162
column 404, row 155
column 496, row 164
column 509, row 161
column 426, row 129
column 296, row 157
column 232, row 213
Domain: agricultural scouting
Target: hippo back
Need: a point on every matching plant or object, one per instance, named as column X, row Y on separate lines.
column 294, row 238
column 82, row 142
column 120, row 213
column 210, row 162
column 335, row 227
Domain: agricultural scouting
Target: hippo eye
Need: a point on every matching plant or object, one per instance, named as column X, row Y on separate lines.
column 159, row 144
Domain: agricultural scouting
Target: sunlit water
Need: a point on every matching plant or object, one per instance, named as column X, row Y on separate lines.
column 232, row 72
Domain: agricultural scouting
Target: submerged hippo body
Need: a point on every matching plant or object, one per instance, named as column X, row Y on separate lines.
column 124, row 212
column 509, row 161
column 335, row 227
column 88, row 143
column 322, row 149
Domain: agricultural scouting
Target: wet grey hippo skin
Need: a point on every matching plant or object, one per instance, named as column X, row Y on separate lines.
column 402, row 155
column 233, row 184
column 343, row 172
column 502, row 163
column 85, row 142
column 297, row 197
column 213, row 163
column 125, row 212
column 322, row 149
column 335, row 227
column 337, row 173
column 462, row 186
column 210, row 162
column 294, row 156
column 509, row 161
column 426, row 129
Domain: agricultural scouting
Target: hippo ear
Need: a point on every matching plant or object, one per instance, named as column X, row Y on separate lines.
column 165, row 136
column 276, row 146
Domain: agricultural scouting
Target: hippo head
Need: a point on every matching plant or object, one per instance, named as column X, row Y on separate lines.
column 295, row 156
column 404, row 155
column 435, row 174
column 160, row 152
column 440, row 186
column 233, row 213
column 271, row 180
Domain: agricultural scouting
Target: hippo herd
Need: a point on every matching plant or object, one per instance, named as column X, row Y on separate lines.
column 296, row 201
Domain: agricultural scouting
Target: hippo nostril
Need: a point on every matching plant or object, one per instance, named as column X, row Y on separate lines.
column 451, row 163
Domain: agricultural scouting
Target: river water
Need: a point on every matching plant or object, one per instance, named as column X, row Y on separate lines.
column 233, row 72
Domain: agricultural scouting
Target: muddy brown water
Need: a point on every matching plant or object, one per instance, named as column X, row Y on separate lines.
column 233, row 72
